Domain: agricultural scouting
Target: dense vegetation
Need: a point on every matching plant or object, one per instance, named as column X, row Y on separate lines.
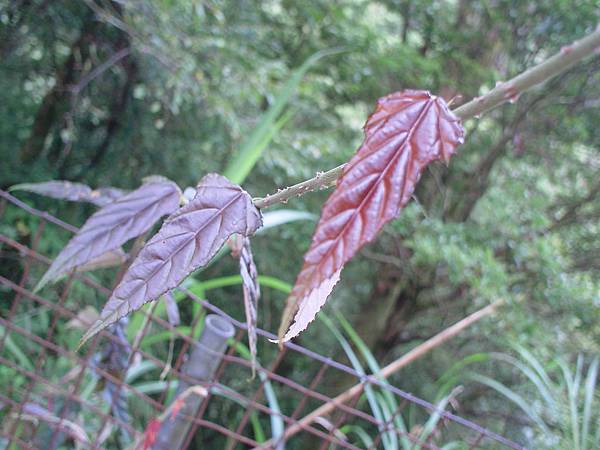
column 107, row 93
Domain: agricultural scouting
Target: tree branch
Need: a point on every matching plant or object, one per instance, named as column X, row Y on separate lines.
column 508, row 91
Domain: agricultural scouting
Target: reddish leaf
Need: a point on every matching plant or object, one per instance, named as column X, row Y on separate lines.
column 75, row 192
column 241, row 248
column 407, row 131
column 187, row 240
column 113, row 225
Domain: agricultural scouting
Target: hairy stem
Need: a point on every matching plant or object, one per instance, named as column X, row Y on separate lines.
column 322, row 180
column 508, row 91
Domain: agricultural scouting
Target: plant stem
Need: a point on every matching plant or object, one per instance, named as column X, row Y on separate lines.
column 508, row 91
column 322, row 180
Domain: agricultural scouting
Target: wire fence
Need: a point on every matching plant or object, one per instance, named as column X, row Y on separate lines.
column 58, row 397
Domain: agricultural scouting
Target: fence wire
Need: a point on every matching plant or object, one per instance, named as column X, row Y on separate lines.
column 60, row 398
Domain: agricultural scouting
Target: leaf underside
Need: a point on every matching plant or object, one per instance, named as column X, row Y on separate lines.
column 74, row 192
column 113, row 225
column 407, row 131
column 187, row 240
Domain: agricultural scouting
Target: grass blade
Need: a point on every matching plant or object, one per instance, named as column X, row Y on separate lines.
column 572, row 391
column 451, row 377
column 435, row 417
column 535, row 363
column 534, row 377
column 590, row 387
column 277, row 425
column 278, row 217
column 512, row 396
column 16, row 351
column 375, row 369
column 364, row 437
column 389, row 440
column 198, row 287
column 252, row 148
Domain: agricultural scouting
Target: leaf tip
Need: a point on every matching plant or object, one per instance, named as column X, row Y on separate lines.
column 98, row 326
column 40, row 284
column 305, row 310
column 80, row 344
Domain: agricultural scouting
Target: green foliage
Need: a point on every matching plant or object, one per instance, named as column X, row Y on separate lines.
column 268, row 125
column 563, row 408
column 235, row 86
column 382, row 402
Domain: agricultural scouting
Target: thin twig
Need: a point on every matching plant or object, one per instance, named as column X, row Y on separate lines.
column 508, row 91
column 115, row 58
column 390, row 369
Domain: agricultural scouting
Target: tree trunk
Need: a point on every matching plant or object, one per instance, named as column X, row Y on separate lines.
column 117, row 112
column 55, row 102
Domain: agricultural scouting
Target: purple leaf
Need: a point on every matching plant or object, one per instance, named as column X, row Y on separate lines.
column 75, row 192
column 113, row 225
column 187, row 240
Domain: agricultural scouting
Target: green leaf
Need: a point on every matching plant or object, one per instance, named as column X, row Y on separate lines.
column 154, row 387
column 269, row 124
column 512, row 396
column 366, row 440
column 234, row 280
column 533, row 377
column 16, row 351
column 278, row 217
column 277, row 425
column 434, row 418
column 451, row 377
column 163, row 336
column 376, row 369
column 535, row 363
column 136, row 371
column 388, row 439
column 572, row 392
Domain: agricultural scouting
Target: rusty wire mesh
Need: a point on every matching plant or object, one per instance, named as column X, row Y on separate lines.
column 227, row 416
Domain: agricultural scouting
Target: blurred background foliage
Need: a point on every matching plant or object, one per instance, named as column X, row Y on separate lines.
column 107, row 92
